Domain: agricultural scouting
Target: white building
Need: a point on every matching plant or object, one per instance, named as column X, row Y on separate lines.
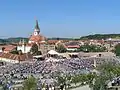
column 25, row 48
column 37, row 38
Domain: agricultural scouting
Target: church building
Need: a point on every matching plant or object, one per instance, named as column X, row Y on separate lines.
column 36, row 38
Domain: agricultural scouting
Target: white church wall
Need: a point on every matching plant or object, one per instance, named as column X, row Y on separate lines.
column 27, row 49
column 20, row 48
column 24, row 49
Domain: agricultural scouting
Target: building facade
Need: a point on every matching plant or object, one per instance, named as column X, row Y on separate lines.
column 36, row 38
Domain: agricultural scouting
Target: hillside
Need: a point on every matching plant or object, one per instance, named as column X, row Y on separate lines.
column 56, row 38
column 12, row 40
column 3, row 41
column 16, row 40
column 101, row 36
column 96, row 36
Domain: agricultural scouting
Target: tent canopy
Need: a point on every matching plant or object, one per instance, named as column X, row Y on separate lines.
column 53, row 52
column 38, row 56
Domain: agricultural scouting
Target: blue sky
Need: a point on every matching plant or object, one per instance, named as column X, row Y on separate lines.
column 59, row 18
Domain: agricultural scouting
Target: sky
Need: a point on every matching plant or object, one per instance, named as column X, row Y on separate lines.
column 59, row 18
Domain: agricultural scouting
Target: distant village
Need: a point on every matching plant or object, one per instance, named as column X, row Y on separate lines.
column 65, row 48
column 57, row 64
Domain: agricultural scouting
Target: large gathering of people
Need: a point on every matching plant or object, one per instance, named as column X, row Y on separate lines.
column 45, row 70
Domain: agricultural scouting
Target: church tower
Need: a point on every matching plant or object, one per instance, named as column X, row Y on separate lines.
column 37, row 29
column 36, row 37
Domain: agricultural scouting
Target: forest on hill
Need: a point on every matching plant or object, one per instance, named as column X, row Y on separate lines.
column 12, row 40
column 17, row 40
column 96, row 36
column 101, row 36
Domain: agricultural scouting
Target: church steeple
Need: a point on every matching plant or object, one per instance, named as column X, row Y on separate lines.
column 37, row 29
column 37, row 26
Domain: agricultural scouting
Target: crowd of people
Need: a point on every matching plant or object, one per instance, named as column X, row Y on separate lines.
column 45, row 71
column 114, row 83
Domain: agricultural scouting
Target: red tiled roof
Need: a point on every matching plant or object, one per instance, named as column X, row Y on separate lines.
column 22, row 57
column 37, row 38
column 100, row 41
column 9, row 47
column 52, row 41
column 28, row 44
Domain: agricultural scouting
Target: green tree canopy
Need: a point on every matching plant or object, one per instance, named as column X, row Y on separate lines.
column 101, row 36
column 91, row 48
column 60, row 48
column 34, row 50
column 61, row 80
column 117, row 50
column 30, row 83
column 107, row 72
column 17, row 52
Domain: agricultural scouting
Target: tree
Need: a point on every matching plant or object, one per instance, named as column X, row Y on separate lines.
column 101, row 36
column 100, row 83
column 75, row 79
column 19, row 52
column 91, row 48
column 3, row 48
column 30, row 83
column 61, row 80
column 117, row 50
column 90, row 79
column 60, row 48
column 14, row 52
column 107, row 72
column 68, row 78
column 34, row 50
